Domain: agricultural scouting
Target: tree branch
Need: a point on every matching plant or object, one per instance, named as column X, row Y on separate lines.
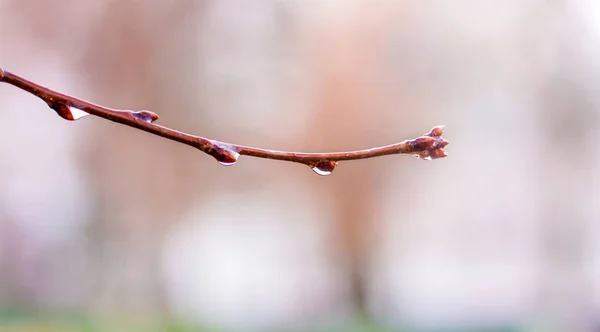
column 428, row 146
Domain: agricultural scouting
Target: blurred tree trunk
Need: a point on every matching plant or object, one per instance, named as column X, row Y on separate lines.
column 144, row 181
column 348, row 115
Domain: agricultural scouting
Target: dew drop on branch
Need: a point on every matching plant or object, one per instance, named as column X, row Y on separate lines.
column 70, row 113
column 226, row 156
column 77, row 114
column 145, row 116
column 324, row 167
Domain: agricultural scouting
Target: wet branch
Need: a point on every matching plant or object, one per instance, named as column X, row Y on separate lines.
column 428, row 146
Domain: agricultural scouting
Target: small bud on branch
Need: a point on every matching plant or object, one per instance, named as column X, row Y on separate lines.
column 429, row 146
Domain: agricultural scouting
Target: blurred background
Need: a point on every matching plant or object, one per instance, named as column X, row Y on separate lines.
column 106, row 228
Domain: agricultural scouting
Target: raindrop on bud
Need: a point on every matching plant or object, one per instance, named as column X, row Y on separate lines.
column 324, row 167
column 69, row 113
column 145, row 116
column 226, row 156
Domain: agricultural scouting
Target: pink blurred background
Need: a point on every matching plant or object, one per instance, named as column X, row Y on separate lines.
column 104, row 220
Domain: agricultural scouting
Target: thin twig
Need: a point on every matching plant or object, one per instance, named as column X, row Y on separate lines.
column 428, row 146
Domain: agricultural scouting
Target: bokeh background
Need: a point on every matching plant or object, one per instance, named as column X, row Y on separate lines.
column 106, row 228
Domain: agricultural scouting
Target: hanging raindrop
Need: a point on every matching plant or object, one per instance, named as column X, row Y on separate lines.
column 324, row 167
column 69, row 113
column 226, row 156
column 77, row 114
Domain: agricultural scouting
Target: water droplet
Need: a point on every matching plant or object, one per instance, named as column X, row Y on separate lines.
column 226, row 156
column 230, row 161
column 77, row 114
column 324, row 167
column 145, row 116
column 69, row 113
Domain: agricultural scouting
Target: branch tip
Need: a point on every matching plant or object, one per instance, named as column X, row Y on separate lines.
column 436, row 131
column 431, row 145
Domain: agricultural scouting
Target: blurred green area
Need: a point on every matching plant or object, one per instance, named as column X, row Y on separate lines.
column 18, row 321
